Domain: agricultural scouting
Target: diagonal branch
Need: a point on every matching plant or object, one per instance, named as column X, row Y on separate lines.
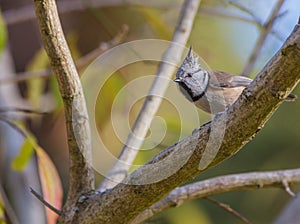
column 152, row 102
column 180, row 163
column 78, row 131
column 221, row 184
column 228, row 209
column 266, row 30
column 25, row 13
column 80, row 64
column 44, row 202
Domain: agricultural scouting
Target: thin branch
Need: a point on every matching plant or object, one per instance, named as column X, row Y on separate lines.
column 80, row 64
column 246, row 10
column 222, row 13
column 254, row 19
column 218, row 185
column 21, row 110
column 287, row 188
column 41, row 199
column 212, row 11
column 23, row 76
column 227, row 208
column 119, row 38
column 25, row 13
column 179, row 163
column 266, row 30
column 152, row 102
column 81, row 175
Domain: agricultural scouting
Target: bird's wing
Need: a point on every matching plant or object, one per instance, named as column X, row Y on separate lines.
column 224, row 80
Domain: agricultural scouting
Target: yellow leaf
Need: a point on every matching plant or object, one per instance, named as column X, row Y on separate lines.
column 51, row 185
column 50, row 181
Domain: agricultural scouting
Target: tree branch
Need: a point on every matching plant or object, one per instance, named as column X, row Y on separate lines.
column 180, row 162
column 25, row 13
column 221, row 184
column 78, row 130
column 266, row 30
column 135, row 139
column 228, row 209
column 44, row 202
column 80, row 64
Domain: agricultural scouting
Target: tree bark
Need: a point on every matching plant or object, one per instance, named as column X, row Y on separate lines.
column 78, row 130
column 243, row 120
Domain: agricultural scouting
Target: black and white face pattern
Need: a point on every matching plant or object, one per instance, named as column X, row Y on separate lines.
column 192, row 79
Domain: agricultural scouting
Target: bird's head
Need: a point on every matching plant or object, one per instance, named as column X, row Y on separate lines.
column 192, row 79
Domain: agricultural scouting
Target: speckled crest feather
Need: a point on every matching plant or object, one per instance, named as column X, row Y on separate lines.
column 190, row 63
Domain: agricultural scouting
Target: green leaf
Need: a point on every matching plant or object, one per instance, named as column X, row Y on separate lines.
column 21, row 160
column 3, row 33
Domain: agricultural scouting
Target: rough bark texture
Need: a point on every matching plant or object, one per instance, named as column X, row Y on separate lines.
column 243, row 120
column 81, row 173
column 221, row 184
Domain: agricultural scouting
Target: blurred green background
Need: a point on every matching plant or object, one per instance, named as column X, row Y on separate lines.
column 224, row 43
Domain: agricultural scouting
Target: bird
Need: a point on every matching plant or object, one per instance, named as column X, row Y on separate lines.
column 211, row 91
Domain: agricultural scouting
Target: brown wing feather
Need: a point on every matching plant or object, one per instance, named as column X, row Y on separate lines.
column 222, row 79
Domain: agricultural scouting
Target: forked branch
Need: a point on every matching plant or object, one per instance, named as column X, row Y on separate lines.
column 180, row 163
column 78, row 130
column 221, row 184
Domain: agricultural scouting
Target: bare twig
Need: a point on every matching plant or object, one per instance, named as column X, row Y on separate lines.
column 266, row 30
column 287, row 188
column 80, row 64
column 228, row 209
column 23, row 76
column 120, row 37
column 21, row 110
column 244, row 9
column 220, row 12
column 25, row 13
column 221, row 184
column 250, row 18
column 41, row 199
column 152, row 102
column 81, row 175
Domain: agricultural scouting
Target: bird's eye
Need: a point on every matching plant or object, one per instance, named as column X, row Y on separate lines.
column 189, row 75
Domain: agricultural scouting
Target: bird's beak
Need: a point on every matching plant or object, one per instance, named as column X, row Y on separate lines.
column 177, row 80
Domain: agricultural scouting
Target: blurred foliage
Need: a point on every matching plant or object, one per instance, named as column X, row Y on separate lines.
column 50, row 181
column 196, row 214
column 36, row 87
column 3, row 33
column 2, row 211
column 21, row 160
column 51, row 184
